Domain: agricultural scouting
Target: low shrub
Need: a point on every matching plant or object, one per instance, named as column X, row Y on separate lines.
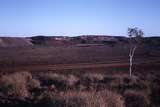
column 33, row 84
column 92, row 77
column 60, row 81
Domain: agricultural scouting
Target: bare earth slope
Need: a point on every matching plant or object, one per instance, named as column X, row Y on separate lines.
column 47, row 53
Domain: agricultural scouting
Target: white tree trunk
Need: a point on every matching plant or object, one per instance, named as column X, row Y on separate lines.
column 131, row 54
column 130, row 66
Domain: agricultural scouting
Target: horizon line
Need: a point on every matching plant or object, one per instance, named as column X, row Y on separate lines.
column 67, row 36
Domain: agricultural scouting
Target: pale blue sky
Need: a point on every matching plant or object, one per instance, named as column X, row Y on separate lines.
column 78, row 17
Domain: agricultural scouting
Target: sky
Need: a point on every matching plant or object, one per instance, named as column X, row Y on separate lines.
column 78, row 17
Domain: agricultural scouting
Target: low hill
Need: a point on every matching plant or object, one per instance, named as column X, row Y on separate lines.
column 14, row 42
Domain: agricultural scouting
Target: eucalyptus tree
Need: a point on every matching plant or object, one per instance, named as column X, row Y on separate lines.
column 135, row 39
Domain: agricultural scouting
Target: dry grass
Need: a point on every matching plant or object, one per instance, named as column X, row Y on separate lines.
column 83, row 99
column 71, row 90
column 17, row 84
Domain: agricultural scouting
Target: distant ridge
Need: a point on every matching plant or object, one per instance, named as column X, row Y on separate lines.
column 65, row 40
